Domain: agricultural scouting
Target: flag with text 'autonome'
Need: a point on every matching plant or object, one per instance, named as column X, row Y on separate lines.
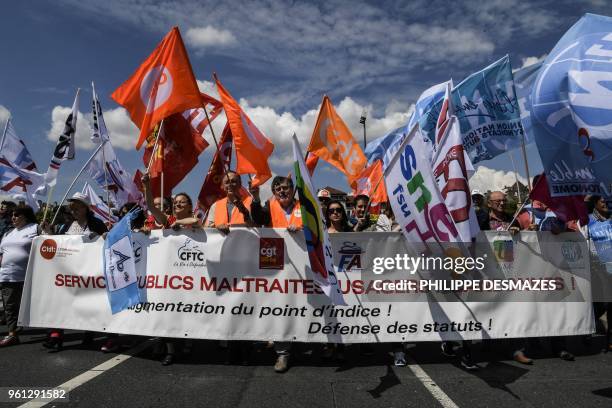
column 572, row 110
column 120, row 265
column 315, row 232
column 253, row 148
column 163, row 84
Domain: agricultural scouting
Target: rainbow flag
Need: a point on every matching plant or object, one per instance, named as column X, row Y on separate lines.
column 315, row 232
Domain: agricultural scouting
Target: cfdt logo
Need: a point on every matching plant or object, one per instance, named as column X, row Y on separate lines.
column 190, row 254
column 48, row 249
column 271, row 253
column 350, row 256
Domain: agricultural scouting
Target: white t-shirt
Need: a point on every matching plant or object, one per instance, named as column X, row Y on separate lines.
column 15, row 250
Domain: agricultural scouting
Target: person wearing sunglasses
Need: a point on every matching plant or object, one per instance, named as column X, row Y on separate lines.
column 336, row 218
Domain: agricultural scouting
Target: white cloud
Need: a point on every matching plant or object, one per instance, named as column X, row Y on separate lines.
column 123, row 132
column 487, row 179
column 209, row 36
column 528, row 61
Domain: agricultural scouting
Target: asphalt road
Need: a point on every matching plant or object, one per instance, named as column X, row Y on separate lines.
column 133, row 377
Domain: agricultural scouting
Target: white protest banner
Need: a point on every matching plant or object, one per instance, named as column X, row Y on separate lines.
column 255, row 284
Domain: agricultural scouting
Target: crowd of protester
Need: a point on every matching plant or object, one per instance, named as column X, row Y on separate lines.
column 242, row 207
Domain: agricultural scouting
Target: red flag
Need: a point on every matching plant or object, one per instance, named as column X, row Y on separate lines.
column 369, row 178
column 164, row 84
column 211, row 190
column 333, row 142
column 177, row 153
column 252, row 148
column 566, row 208
column 197, row 117
column 446, row 112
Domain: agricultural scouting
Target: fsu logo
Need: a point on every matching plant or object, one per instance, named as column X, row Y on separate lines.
column 350, row 257
column 271, row 253
column 48, row 249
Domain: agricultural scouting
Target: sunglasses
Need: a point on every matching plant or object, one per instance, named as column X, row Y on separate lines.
column 334, row 210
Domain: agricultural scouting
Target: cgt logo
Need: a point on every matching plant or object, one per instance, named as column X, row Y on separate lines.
column 271, row 253
column 48, row 249
column 350, row 256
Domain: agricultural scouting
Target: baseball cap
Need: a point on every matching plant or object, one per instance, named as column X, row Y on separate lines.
column 81, row 198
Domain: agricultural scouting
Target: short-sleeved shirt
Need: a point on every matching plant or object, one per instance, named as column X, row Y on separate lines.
column 15, row 250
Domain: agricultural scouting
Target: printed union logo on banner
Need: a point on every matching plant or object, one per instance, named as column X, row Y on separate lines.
column 350, row 257
column 190, row 254
column 48, row 249
column 271, row 253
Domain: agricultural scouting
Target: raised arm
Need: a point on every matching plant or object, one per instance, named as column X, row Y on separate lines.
column 159, row 216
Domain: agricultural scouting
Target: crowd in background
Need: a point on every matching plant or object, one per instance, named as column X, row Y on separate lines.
column 19, row 225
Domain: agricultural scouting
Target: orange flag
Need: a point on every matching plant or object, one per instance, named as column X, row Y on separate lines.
column 333, row 142
column 252, row 148
column 370, row 179
column 163, row 84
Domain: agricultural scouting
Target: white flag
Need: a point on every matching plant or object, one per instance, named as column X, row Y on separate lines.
column 64, row 150
column 452, row 168
column 415, row 198
column 15, row 150
column 105, row 167
column 99, row 207
column 20, row 183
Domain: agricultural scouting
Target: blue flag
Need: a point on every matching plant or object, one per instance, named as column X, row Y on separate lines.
column 487, row 108
column 386, row 146
column 524, row 79
column 120, row 266
column 572, row 110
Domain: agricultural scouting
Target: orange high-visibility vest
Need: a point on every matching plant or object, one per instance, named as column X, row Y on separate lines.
column 236, row 218
column 278, row 215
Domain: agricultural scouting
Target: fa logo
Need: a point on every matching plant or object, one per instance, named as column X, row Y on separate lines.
column 350, row 257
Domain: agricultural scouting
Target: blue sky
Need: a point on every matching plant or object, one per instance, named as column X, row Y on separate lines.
column 278, row 57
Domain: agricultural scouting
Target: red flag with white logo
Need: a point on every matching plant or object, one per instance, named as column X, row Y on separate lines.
column 164, row 84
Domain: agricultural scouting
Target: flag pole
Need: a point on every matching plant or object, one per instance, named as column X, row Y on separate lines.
column 518, row 189
column 4, row 133
column 47, row 204
column 212, row 132
column 161, row 191
column 106, row 185
column 525, row 160
column 75, row 180
column 161, row 124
